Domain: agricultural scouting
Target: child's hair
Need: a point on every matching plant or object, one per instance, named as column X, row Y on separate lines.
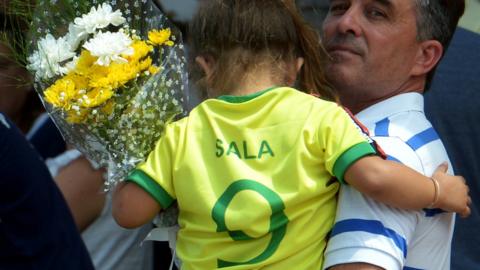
column 239, row 34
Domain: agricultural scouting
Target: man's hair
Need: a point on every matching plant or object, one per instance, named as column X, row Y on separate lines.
column 438, row 19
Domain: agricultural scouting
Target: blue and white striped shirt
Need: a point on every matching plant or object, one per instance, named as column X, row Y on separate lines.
column 371, row 232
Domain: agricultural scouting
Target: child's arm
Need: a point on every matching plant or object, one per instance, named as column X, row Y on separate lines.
column 133, row 206
column 399, row 186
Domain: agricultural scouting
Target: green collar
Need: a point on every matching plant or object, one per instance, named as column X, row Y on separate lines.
column 241, row 99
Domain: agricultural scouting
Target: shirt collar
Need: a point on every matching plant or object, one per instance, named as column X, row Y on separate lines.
column 388, row 107
column 244, row 98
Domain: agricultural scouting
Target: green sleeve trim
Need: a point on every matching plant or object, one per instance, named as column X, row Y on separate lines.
column 151, row 186
column 349, row 157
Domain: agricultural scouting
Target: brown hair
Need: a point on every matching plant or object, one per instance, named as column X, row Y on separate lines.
column 239, row 34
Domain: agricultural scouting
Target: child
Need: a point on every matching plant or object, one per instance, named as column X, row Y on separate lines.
column 253, row 170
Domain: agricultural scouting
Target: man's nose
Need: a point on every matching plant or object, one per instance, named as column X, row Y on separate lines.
column 350, row 22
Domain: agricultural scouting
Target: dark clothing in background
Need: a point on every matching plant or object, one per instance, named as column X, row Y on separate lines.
column 37, row 230
column 453, row 106
column 47, row 140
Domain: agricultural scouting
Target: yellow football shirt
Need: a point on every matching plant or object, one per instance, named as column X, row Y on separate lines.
column 254, row 178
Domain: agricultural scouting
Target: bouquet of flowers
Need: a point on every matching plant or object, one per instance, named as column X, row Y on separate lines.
column 110, row 73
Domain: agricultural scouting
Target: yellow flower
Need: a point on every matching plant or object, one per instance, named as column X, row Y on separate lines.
column 108, row 107
column 76, row 116
column 141, row 49
column 97, row 72
column 153, row 69
column 117, row 75
column 96, row 97
column 160, row 37
column 61, row 93
column 81, row 82
column 144, row 64
column 101, row 82
column 85, row 62
column 122, row 74
column 91, row 86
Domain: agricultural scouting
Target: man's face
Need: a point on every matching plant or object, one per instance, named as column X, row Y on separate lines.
column 373, row 48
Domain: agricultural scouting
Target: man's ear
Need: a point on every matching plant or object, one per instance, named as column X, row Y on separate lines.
column 206, row 64
column 429, row 54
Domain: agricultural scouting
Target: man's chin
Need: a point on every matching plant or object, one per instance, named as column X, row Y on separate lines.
column 341, row 75
column 339, row 70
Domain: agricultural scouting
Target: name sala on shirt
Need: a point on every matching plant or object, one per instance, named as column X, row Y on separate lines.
column 242, row 149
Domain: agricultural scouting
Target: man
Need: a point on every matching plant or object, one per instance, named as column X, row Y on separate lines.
column 384, row 53
column 456, row 86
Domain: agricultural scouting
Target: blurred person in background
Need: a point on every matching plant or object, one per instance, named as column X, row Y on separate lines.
column 37, row 230
column 452, row 105
column 110, row 246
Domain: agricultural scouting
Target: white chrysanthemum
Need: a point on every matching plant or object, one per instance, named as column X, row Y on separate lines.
column 46, row 61
column 75, row 35
column 109, row 47
column 99, row 18
column 70, row 66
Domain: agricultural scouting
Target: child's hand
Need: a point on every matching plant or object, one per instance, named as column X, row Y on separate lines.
column 452, row 192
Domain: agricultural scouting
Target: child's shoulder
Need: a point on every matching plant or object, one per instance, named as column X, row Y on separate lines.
column 177, row 124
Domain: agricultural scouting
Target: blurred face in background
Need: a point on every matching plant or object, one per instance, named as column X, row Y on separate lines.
column 14, row 84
